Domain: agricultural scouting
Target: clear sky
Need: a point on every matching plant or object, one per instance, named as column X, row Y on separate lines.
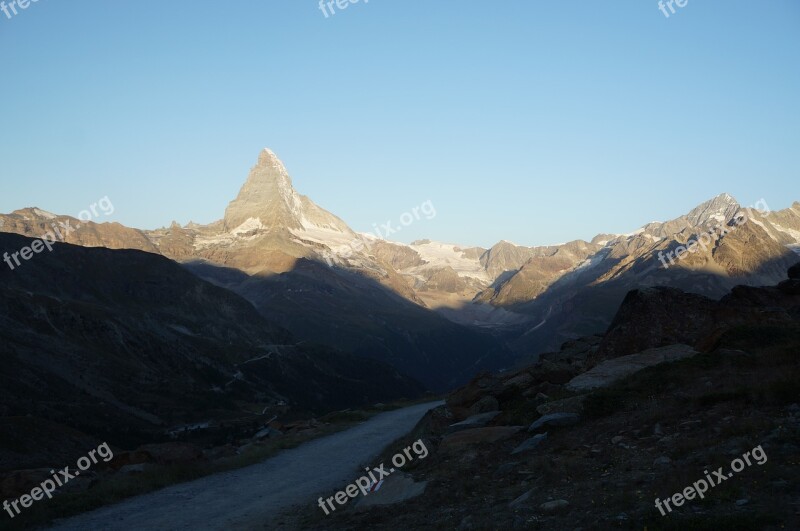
column 536, row 122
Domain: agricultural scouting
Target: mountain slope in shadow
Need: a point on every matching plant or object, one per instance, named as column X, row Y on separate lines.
column 123, row 345
column 355, row 313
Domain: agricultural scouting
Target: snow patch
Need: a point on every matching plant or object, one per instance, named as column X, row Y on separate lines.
column 591, row 262
column 445, row 254
column 44, row 214
column 634, row 233
column 341, row 243
column 795, row 234
column 252, row 224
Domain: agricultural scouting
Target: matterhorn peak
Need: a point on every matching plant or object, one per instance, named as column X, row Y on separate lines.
column 268, row 158
column 270, row 171
column 268, row 201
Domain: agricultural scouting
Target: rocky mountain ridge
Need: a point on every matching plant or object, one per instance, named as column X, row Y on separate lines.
column 532, row 298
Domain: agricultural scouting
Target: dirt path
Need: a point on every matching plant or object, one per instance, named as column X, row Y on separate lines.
column 233, row 499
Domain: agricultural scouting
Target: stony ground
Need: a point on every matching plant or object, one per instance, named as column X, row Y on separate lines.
column 649, row 436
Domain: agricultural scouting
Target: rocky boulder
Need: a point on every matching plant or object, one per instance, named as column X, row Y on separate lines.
column 611, row 371
column 530, row 444
column 460, row 401
column 475, row 421
column 656, row 317
column 555, row 420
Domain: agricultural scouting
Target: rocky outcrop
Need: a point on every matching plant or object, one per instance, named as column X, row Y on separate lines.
column 655, row 317
column 530, row 444
column 555, row 420
column 475, row 421
column 611, row 371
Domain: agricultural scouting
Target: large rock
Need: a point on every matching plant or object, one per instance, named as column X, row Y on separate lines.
column 479, row 387
column 485, row 405
column 611, row 371
column 555, row 419
column 656, row 317
column 530, row 444
column 475, row 421
column 557, row 373
column 521, row 500
column 521, row 380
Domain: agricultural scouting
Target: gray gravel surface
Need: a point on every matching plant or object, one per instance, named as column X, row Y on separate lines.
column 242, row 498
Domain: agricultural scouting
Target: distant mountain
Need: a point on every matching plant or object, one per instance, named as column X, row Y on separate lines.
column 37, row 223
column 735, row 246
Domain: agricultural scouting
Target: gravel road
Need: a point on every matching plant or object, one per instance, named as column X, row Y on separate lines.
column 241, row 498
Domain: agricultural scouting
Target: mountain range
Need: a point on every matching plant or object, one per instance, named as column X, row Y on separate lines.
column 441, row 312
column 273, row 247
column 279, row 310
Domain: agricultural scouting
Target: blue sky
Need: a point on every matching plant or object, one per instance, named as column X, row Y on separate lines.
column 535, row 122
